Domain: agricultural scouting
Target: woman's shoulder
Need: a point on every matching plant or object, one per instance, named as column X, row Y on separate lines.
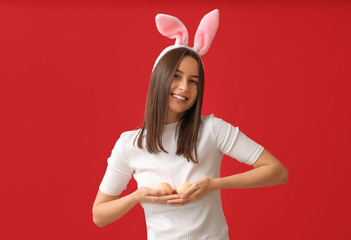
column 129, row 135
column 207, row 122
column 209, row 119
column 214, row 122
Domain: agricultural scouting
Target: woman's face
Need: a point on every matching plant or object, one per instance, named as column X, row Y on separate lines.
column 183, row 89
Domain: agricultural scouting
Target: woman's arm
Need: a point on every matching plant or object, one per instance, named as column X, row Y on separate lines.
column 107, row 208
column 267, row 171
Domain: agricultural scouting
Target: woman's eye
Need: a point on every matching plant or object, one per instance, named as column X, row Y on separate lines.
column 176, row 76
column 194, row 81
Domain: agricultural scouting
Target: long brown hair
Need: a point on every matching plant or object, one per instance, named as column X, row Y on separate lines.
column 157, row 107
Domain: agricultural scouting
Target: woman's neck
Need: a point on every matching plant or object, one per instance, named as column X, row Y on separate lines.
column 172, row 118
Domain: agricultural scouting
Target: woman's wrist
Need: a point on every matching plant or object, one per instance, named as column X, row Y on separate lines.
column 216, row 183
column 134, row 196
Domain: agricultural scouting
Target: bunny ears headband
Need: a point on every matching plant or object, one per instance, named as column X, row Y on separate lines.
column 172, row 27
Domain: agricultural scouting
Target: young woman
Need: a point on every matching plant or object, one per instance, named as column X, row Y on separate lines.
column 175, row 145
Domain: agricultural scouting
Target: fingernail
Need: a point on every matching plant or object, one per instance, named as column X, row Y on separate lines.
column 163, row 192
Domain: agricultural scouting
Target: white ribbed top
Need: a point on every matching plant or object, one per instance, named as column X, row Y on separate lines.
column 201, row 219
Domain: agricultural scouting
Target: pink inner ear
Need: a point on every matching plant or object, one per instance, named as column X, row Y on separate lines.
column 206, row 31
column 172, row 27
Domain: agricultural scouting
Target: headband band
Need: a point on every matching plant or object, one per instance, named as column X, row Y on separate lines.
column 172, row 27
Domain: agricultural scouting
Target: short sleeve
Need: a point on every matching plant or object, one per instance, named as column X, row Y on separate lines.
column 118, row 172
column 232, row 142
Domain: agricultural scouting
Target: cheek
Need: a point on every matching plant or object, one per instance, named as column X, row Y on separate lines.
column 195, row 92
column 172, row 85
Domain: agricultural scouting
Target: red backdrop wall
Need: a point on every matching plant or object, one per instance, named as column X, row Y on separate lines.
column 74, row 76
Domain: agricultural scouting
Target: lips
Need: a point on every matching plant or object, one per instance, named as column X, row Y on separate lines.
column 179, row 97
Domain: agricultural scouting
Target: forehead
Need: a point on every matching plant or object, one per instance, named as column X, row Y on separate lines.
column 189, row 65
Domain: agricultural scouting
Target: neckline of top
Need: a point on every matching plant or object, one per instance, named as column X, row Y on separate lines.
column 170, row 126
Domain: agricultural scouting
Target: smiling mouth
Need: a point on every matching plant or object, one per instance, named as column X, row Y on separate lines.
column 179, row 97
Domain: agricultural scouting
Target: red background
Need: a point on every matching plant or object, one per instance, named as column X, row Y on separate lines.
column 74, row 76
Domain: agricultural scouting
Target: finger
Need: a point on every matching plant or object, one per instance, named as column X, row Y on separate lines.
column 174, row 196
column 156, row 192
column 163, row 199
column 177, row 201
column 189, row 191
column 170, row 197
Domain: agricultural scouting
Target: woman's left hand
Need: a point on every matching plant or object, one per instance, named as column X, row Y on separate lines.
column 196, row 191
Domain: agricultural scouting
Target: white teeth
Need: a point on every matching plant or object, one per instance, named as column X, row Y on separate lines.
column 179, row 97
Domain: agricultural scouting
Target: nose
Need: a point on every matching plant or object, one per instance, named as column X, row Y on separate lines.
column 183, row 84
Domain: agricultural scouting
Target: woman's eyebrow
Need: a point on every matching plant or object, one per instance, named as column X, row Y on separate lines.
column 183, row 73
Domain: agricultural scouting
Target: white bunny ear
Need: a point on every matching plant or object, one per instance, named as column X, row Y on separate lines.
column 172, row 27
column 206, row 31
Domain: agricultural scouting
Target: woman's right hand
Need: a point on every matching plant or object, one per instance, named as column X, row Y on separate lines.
column 145, row 194
column 107, row 208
